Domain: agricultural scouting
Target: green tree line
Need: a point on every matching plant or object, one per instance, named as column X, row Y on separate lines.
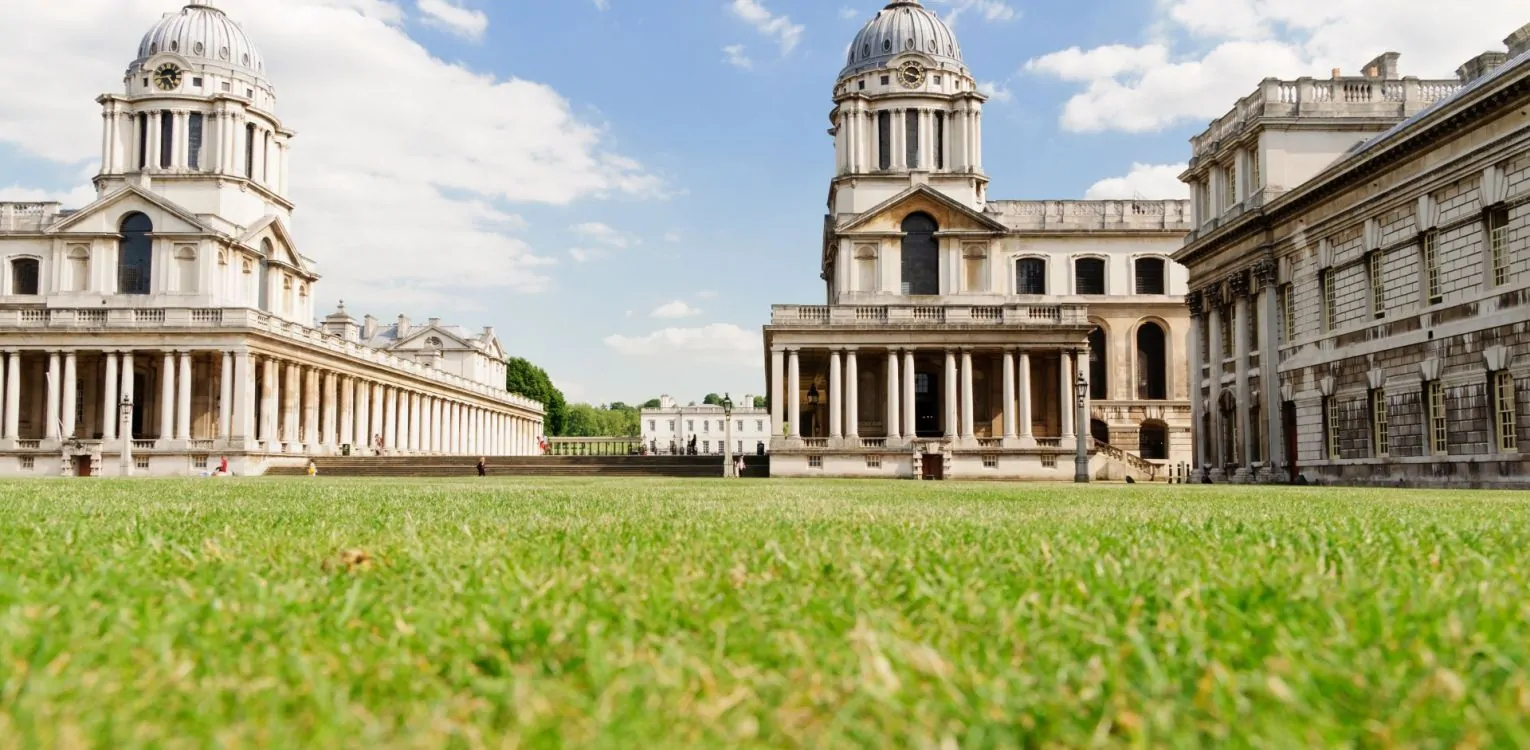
column 583, row 420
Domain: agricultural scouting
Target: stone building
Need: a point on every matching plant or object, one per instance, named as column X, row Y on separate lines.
column 955, row 324
column 1360, row 270
column 170, row 322
column 669, row 428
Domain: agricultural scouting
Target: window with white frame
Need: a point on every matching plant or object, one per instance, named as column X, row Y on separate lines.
column 1330, row 300
column 1089, row 276
column 1429, row 244
column 1287, row 313
column 1151, row 275
column 1374, row 275
column 1331, row 426
column 1498, row 242
column 1380, row 441
column 1438, row 421
column 1031, row 276
column 1504, row 412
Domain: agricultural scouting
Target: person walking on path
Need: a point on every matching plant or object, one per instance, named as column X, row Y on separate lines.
column 483, row 467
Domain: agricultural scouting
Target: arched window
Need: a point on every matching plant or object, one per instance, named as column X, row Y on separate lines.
column 24, row 276
column 1153, row 441
column 1151, row 275
column 1030, row 276
column 1152, row 363
column 135, row 255
column 1089, row 276
column 1100, row 431
column 921, row 256
column 1099, row 356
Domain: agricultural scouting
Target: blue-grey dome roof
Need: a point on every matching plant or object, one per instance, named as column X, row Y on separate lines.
column 201, row 31
column 903, row 26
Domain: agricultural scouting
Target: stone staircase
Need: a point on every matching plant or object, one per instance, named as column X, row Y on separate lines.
column 1118, row 465
column 526, row 466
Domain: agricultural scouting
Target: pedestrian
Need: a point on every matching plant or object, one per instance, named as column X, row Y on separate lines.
column 223, row 466
column 738, row 466
column 483, row 467
column 313, row 468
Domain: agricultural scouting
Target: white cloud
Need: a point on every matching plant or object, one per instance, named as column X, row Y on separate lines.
column 375, row 194
column 603, row 234
column 780, row 28
column 996, row 91
column 1144, row 181
column 75, row 198
column 584, row 255
column 671, row 236
column 443, row 14
column 676, row 309
column 849, row 14
column 602, row 4
column 720, row 342
column 734, row 55
column 1206, row 54
column 708, row 294
column 990, row 10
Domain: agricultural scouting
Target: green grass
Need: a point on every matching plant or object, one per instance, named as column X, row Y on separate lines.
column 642, row 614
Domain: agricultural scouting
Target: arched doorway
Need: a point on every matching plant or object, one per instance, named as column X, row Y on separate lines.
column 1099, row 355
column 1153, row 441
column 1152, row 362
column 1099, row 430
column 921, row 255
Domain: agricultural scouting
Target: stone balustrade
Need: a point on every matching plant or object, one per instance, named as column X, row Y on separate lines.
column 1085, row 215
column 230, row 319
column 28, row 216
column 861, row 316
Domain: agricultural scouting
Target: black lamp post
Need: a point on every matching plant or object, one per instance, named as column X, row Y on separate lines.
column 1081, row 461
column 727, row 407
column 813, row 406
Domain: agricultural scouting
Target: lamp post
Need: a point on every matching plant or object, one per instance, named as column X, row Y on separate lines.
column 1081, row 461
column 125, row 429
column 727, row 407
column 812, row 399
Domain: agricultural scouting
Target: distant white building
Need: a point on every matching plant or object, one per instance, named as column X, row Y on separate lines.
column 669, row 428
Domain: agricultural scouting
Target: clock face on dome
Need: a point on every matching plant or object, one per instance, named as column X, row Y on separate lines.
column 911, row 75
column 167, row 77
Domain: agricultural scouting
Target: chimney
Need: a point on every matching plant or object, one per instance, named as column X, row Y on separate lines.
column 1335, row 72
column 1383, row 67
column 488, row 333
column 403, row 326
column 1518, row 42
column 368, row 328
column 1480, row 66
column 434, row 322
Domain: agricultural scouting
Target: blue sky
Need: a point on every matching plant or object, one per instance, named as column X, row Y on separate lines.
column 563, row 170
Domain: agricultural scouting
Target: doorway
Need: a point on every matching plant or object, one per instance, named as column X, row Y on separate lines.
column 933, row 467
column 140, row 387
column 82, row 466
column 927, row 405
column 1100, row 431
column 1288, row 421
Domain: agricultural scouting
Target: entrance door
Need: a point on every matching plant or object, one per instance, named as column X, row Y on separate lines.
column 933, row 467
column 927, row 405
column 1100, row 431
column 1288, row 417
column 82, row 466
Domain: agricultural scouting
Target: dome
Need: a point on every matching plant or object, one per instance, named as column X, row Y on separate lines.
column 200, row 32
column 904, row 26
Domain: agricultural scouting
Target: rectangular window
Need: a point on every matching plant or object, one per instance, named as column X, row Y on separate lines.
column 1504, row 409
column 873, row 462
column 706, row 446
column 653, row 426
column 706, row 425
column 1287, row 313
column 1374, row 268
column 1380, row 440
column 815, row 462
column 1325, row 279
column 1229, row 188
column 194, row 140
column 759, row 425
column 29, row 463
column 249, row 151
column 1331, row 427
column 1030, row 276
column 143, row 141
column 1089, row 276
column 741, row 425
column 1431, row 251
column 1498, row 240
column 690, row 425
column 911, row 137
column 884, row 140
column 1150, row 275
column 197, row 82
column 166, row 139
column 671, row 425
column 990, row 462
column 1438, row 420
column 1049, row 461
column 1255, row 184
column 940, row 136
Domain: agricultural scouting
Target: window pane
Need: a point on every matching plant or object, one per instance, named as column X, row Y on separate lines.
column 166, row 138
column 940, row 139
column 911, row 137
column 1150, row 272
column 884, row 140
column 24, row 276
column 194, row 140
column 1089, row 276
column 1031, row 276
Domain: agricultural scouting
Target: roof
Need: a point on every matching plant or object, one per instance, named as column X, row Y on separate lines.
column 1520, row 61
column 904, row 26
column 202, row 32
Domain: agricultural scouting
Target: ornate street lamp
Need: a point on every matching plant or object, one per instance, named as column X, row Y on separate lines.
column 727, row 407
column 125, row 429
column 1081, row 461
column 813, row 408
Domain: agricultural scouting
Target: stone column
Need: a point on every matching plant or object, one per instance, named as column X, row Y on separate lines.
column 55, row 375
column 377, row 426
column 292, row 394
column 1240, row 290
column 438, row 425
column 151, row 159
column 968, row 428
column 389, row 403
column 1275, row 458
column 401, row 422
column 182, row 139
column 270, row 402
column 183, row 399
column 897, row 133
column 312, row 436
column 1027, row 436
column 167, row 396
column 794, row 393
column 226, row 397
column 415, row 425
column 346, row 419
column 329, row 430
column 836, row 397
column 894, row 385
column 952, row 397
column 469, row 436
column 427, row 424
column 852, row 397
column 910, row 413
column 109, row 406
column 243, row 414
column 129, row 389
column 71, row 380
column 777, row 389
column 1213, row 445
column 13, row 395
column 361, row 433
column 1065, row 376
column 1009, row 396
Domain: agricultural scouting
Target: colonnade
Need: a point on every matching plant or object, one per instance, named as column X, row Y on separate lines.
column 252, row 402
column 1227, row 442
column 228, row 143
column 948, row 139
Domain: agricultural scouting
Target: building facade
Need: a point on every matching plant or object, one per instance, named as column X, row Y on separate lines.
column 954, row 325
column 169, row 323
column 1358, row 310
column 669, row 429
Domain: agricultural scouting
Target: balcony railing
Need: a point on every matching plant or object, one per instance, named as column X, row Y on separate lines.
column 915, row 315
column 130, row 319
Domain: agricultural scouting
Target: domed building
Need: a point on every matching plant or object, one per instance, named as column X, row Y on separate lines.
column 171, row 322
column 964, row 337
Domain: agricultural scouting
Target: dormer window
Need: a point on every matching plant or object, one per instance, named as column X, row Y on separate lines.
column 433, row 343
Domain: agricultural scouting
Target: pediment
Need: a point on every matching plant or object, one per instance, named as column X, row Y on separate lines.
column 283, row 247
column 950, row 215
column 417, row 338
column 106, row 214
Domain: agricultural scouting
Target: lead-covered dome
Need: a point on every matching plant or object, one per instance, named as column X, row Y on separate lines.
column 904, row 26
column 201, row 32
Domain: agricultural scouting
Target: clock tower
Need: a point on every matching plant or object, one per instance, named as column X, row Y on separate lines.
column 907, row 112
column 196, row 124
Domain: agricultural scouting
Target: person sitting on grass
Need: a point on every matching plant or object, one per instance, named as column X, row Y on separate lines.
column 313, row 469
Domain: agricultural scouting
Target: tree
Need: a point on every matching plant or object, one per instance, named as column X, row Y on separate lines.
column 526, row 379
column 760, row 402
column 712, row 399
column 652, row 403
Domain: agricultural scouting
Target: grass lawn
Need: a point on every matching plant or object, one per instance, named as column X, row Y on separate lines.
column 643, row 614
